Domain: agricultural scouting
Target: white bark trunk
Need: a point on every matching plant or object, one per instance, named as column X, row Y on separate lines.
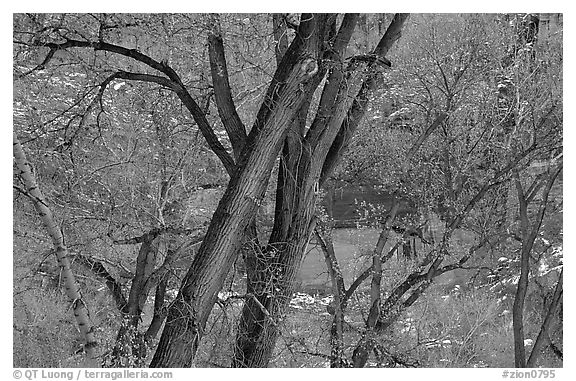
column 71, row 287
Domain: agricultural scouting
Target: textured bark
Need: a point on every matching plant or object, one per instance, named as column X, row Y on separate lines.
column 293, row 225
column 145, row 263
column 522, row 288
column 188, row 314
column 130, row 348
column 222, row 93
column 159, row 312
column 360, row 101
column 277, row 267
column 300, row 177
column 71, row 287
column 280, row 35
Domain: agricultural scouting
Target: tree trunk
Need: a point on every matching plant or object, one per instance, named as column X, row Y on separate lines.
column 518, row 311
column 71, row 287
column 189, row 312
column 277, row 267
column 308, row 160
column 529, row 234
column 338, row 306
column 366, row 344
column 130, row 348
column 543, row 334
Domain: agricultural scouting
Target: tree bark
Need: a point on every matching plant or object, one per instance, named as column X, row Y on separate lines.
column 130, row 347
column 188, row 314
column 71, row 287
column 301, row 176
column 222, row 93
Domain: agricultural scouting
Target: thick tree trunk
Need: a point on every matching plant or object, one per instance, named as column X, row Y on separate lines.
column 71, row 287
column 518, row 311
column 258, row 329
column 303, row 172
column 188, row 314
column 276, row 269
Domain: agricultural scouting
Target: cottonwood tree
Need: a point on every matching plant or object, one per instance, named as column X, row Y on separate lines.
column 122, row 185
column 308, row 157
column 318, row 47
column 131, row 183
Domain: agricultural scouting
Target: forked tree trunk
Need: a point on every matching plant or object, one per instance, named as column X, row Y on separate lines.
column 71, row 287
column 308, row 159
column 188, row 314
column 529, row 232
column 277, row 270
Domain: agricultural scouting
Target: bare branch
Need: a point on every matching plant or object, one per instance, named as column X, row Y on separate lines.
column 439, row 119
column 222, row 93
column 173, row 82
column 131, row 53
column 40, row 66
column 115, row 288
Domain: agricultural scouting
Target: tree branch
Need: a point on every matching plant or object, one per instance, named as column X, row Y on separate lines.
column 115, row 288
column 336, row 87
column 131, row 53
column 176, row 85
column 163, row 81
column 222, row 93
column 280, row 25
column 356, row 112
column 439, row 119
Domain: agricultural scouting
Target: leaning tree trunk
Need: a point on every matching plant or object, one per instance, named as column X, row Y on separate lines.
column 189, row 312
column 71, row 287
column 307, row 162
